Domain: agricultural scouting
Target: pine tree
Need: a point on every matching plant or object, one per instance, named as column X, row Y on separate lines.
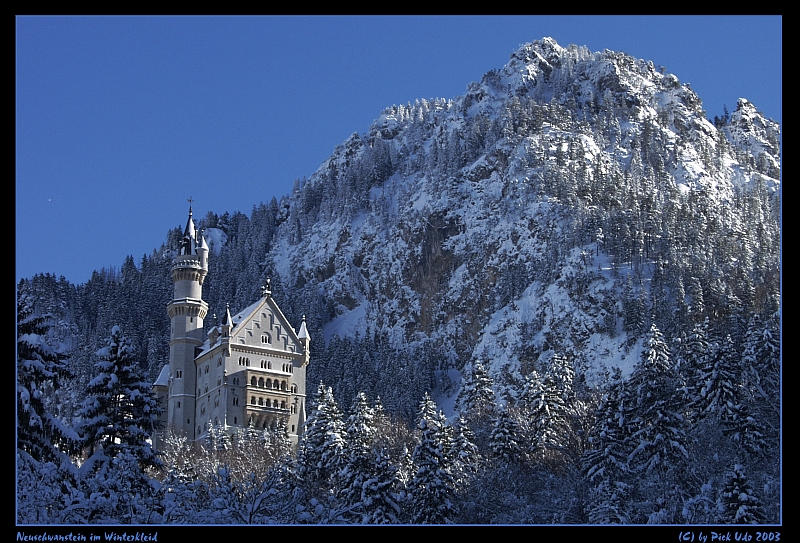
column 466, row 457
column 695, row 365
column 432, row 487
column 761, row 358
column 545, row 405
column 379, row 492
column 503, row 440
column 476, row 399
column 120, row 412
column 719, row 382
column 321, row 453
column 40, row 371
column 659, row 434
column 607, row 459
column 119, row 492
column 357, row 455
column 738, row 502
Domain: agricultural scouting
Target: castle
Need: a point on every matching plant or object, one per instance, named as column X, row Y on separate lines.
column 250, row 369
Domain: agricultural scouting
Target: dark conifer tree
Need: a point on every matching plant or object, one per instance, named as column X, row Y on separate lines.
column 119, row 413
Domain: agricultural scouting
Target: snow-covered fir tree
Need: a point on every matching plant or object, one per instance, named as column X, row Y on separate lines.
column 738, row 501
column 476, row 399
column 504, row 438
column 119, row 413
column 357, row 456
column 659, row 427
column 466, row 456
column 40, row 371
column 431, row 490
column 380, row 493
column 321, row 452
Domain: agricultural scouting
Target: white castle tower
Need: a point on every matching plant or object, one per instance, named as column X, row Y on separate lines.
column 186, row 312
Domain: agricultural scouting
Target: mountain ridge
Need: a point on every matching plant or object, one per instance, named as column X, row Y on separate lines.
column 549, row 112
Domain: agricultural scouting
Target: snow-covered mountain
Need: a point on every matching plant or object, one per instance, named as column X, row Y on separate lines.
column 529, row 215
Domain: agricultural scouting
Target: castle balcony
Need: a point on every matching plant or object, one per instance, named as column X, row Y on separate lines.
column 191, row 307
column 264, row 410
column 186, row 261
column 271, row 381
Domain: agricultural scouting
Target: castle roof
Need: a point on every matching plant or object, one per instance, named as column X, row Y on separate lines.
column 163, row 377
column 303, row 333
column 190, row 228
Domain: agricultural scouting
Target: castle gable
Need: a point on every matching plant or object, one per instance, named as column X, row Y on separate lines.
column 263, row 324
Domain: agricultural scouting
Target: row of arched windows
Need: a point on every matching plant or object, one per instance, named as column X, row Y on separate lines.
column 244, row 361
column 261, row 383
column 266, row 403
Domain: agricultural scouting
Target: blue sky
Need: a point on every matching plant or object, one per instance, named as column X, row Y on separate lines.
column 120, row 119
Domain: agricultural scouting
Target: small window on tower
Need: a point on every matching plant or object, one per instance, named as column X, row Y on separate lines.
column 179, row 403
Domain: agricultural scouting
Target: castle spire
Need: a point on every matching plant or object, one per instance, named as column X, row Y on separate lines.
column 303, row 333
column 227, row 322
column 190, row 229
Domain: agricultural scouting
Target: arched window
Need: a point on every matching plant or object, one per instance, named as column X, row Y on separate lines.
column 253, row 400
column 275, row 384
column 269, row 365
column 261, row 382
column 274, row 403
column 283, row 405
column 253, row 381
column 294, row 388
column 283, row 385
column 234, row 420
column 291, row 409
column 261, row 401
column 247, row 362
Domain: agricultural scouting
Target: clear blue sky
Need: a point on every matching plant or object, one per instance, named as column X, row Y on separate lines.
column 120, row 119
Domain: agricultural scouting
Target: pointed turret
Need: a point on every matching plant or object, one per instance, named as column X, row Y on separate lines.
column 227, row 322
column 303, row 333
column 305, row 340
column 202, row 250
column 189, row 231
